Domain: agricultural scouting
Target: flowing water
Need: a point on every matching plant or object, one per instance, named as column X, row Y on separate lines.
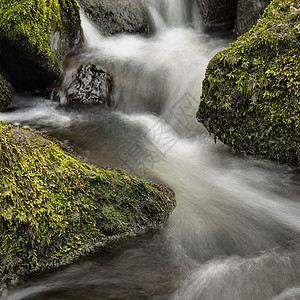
column 234, row 233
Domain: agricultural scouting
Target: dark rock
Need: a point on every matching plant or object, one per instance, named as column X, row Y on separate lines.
column 25, row 71
column 87, row 83
column 248, row 12
column 92, row 84
column 117, row 16
column 218, row 13
column 34, row 40
column 6, row 93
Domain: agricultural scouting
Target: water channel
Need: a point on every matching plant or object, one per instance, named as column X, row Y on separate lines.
column 234, row 234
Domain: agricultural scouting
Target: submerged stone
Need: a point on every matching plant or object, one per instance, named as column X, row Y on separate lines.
column 56, row 208
column 251, row 91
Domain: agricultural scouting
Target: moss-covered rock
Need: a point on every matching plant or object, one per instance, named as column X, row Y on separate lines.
column 118, row 16
column 34, row 37
column 251, row 91
column 6, row 93
column 55, row 208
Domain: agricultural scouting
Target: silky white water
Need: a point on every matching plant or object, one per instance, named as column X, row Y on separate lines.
column 234, row 233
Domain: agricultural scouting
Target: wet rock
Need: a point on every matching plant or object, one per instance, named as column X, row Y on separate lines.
column 6, row 93
column 250, row 94
column 92, row 84
column 248, row 12
column 218, row 13
column 87, row 84
column 56, row 208
column 118, row 16
column 34, row 38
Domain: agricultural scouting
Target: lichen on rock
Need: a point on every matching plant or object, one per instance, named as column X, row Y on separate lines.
column 55, row 208
column 34, row 37
column 251, row 91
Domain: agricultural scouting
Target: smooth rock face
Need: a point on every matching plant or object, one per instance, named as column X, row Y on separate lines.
column 217, row 13
column 117, row 16
column 33, row 43
column 87, row 84
column 248, row 12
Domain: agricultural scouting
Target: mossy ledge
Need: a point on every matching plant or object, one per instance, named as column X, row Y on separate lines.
column 251, row 91
column 55, row 208
column 34, row 37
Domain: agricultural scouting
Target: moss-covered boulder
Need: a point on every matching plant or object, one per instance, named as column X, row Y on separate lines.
column 6, row 93
column 34, row 37
column 55, row 208
column 117, row 16
column 251, row 91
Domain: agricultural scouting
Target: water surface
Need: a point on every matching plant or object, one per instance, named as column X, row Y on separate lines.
column 234, row 233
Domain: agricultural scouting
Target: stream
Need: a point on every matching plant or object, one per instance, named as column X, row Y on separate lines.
column 235, row 231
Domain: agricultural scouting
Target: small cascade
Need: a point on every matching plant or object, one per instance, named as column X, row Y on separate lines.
column 175, row 12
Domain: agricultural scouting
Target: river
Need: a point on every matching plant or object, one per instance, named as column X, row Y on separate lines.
column 234, row 233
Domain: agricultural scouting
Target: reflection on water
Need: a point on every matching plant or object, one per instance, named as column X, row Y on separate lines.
column 234, row 232
column 126, row 272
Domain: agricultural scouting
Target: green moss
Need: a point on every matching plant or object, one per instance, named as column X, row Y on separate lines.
column 28, row 24
column 251, row 90
column 6, row 93
column 54, row 208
